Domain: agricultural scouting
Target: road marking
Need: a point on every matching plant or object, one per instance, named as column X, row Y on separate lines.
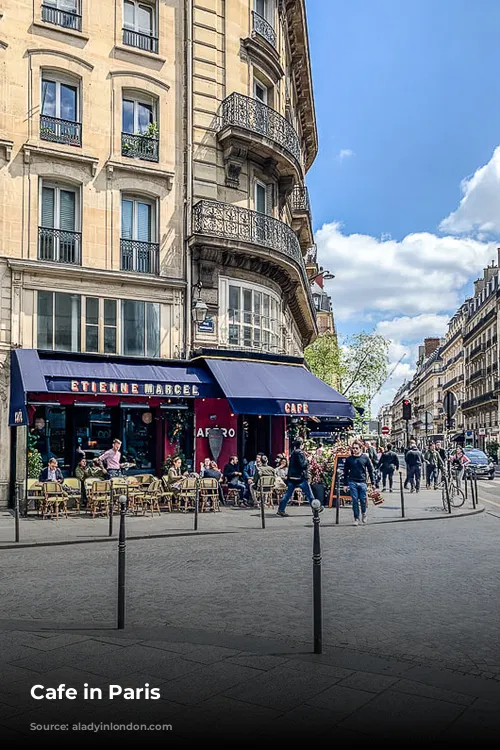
column 490, row 502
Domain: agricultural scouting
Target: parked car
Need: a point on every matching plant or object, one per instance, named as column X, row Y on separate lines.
column 480, row 463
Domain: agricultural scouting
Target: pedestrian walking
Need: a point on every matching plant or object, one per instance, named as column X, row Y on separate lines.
column 459, row 463
column 297, row 477
column 433, row 465
column 356, row 466
column 414, row 460
column 388, row 464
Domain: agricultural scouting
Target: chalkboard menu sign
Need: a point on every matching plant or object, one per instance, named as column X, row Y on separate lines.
column 338, row 480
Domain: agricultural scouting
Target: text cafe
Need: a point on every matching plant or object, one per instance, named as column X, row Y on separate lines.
column 73, row 403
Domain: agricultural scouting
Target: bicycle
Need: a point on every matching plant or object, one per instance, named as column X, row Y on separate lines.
column 456, row 494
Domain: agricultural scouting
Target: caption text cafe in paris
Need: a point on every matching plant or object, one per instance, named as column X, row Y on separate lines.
column 70, row 400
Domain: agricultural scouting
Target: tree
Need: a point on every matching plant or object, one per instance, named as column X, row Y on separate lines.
column 358, row 368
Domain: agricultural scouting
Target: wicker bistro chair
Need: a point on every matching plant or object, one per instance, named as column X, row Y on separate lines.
column 265, row 490
column 232, row 494
column 149, row 499
column 186, row 494
column 98, row 498
column 75, row 497
column 166, row 495
column 118, row 486
column 34, row 495
column 209, row 494
column 53, row 498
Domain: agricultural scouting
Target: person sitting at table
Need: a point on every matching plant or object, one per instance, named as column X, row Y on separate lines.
column 84, row 470
column 205, row 466
column 52, row 473
column 262, row 470
column 175, row 475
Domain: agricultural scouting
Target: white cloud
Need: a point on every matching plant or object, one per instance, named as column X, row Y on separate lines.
column 413, row 328
column 479, row 209
column 345, row 153
column 422, row 273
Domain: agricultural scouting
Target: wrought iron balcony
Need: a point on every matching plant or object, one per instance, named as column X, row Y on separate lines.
column 60, row 131
column 59, row 246
column 299, row 199
column 311, row 255
column 140, row 147
column 264, row 28
column 66, row 19
column 478, row 400
column 242, row 225
column 477, row 375
column 256, row 117
column 146, row 42
column 140, row 257
column 479, row 349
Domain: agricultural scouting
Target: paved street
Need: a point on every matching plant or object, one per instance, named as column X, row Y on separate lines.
column 222, row 623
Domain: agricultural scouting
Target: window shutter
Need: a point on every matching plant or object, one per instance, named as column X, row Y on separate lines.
column 144, row 222
column 67, row 210
column 127, row 212
column 270, row 199
column 47, row 217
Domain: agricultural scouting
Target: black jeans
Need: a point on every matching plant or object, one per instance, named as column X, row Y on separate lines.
column 414, row 477
column 387, row 473
column 432, row 474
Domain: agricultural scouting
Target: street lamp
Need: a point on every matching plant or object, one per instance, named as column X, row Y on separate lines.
column 200, row 308
column 324, row 274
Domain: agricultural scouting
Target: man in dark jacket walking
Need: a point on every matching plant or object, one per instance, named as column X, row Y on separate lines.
column 389, row 463
column 414, row 460
column 298, row 477
column 355, row 470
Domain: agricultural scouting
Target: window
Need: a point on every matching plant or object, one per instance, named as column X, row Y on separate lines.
column 139, row 250
column 59, row 112
column 59, row 321
column 100, row 325
column 254, row 318
column 58, row 238
column 139, row 129
column 261, row 197
column 139, row 25
column 140, row 328
column 260, row 91
column 65, row 13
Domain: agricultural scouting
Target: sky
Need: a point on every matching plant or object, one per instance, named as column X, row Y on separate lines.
column 405, row 190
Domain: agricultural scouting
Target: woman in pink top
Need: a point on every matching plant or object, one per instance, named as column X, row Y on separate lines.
column 112, row 458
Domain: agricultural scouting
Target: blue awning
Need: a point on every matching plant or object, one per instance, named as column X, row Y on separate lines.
column 277, row 389
column 35, row 373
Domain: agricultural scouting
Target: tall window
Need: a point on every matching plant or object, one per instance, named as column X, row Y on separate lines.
column 137, row 115
column 254, row 318
column 260, row 91
column 59, row 322
column 59, row 111
column 140, row 328
column 58, row 236
column 139, row 128
column 100, row 325
column 139, row 25
column 139, row 249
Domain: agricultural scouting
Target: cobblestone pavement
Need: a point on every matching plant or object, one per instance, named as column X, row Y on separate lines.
column 223, row 623
column 426, row 505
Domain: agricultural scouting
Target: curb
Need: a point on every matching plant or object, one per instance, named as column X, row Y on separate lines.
column 139, row 537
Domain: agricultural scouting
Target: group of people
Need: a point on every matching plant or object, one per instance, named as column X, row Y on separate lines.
column 434, row 460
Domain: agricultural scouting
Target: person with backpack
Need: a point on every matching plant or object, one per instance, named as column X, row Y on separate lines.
column 414, row 460
column 297, row 477
column 388, row 464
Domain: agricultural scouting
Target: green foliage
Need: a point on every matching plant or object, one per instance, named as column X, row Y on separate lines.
column 152, row 131
column 298, row 429
column 492, row 449
column 35, row 464
column 323, row 357
column 178, row 423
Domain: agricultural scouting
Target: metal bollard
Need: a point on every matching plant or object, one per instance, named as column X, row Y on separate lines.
column 317, row 612
column 262, row 514
column 111, row 508
column 475, row 487
column 196, row 506
column 16, row 510
column 401, row 490
column 472, row 493
column 447, row 493
column 337, row 501
column 121, row 564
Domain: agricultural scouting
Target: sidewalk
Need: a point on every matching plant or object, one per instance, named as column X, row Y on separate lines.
column 232, row 687
column 426, row 505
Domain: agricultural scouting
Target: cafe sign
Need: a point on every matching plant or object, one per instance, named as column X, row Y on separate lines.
column 296, row 407
column 125, row 388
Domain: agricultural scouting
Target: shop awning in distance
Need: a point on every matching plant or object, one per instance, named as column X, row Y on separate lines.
column 253, row 387
column 35, row 372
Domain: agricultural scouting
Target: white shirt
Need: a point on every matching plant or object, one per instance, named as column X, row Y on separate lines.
column 52, row 475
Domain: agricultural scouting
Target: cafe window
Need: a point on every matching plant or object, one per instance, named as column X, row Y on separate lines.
column 254, row 318
column 138, row 438
column 100, row 325
column 140, row 328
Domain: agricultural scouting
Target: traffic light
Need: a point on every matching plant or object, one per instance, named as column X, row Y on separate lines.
column 406, row 409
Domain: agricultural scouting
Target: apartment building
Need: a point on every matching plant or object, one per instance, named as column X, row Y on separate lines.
column 399, row 429
column 452, row 354
column 426, row 395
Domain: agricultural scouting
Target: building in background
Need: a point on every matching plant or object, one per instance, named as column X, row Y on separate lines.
column 385, row 420
column 452, row 354
column 400, row 431
column 425, row 394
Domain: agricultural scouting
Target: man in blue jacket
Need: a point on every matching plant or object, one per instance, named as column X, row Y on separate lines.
column 355, row 470
column 52, row 473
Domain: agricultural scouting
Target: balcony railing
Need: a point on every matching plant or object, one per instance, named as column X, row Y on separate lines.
column 64, row 18
column 477, row 350
column 236, row 223
column 59, row 246
column 253, row 115
column 140, row 147
column 140, row 257
column 490, row 396
column 477, row 375
column 311, row 255
column 264, row 28
column 146, row 42
column 60, row 131
column 451, row 382
column 299, row 199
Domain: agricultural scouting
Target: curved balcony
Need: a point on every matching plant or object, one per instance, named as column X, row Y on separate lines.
column 249, row 127
column 264, row 28
column 224, row 233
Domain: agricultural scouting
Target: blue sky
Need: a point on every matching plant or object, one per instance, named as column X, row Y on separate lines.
column 407, row 108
